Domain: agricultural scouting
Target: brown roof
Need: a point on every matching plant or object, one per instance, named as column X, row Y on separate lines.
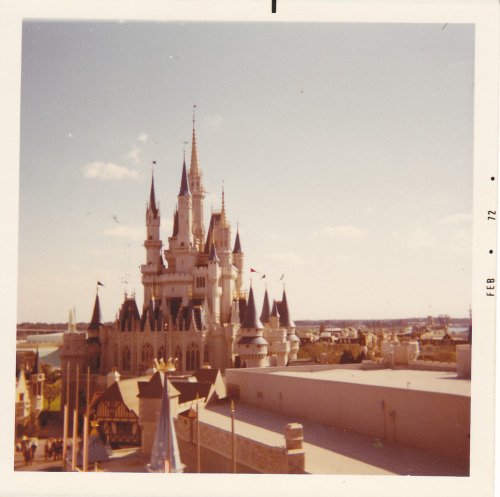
column 188, row 390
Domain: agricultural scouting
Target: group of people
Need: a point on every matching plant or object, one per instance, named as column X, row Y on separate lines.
column 28, row 449
column 53, row 449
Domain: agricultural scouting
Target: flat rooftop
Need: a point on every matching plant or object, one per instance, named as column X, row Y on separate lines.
column 329, row 450
column 426, row 381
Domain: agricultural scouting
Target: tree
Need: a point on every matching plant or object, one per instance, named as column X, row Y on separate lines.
column 51, row 375
column 51, row 391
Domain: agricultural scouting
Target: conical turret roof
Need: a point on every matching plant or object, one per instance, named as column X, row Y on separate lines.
column 264, row 317
column 165, row 446
column 152, row 200
column 184, row 190
column 213, row 254
column 237, row 244
column 251, row 319
column 96, row 316
column 285, row 319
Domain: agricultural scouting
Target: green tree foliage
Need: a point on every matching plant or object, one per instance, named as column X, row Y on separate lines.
column 51, row 375
column 51, row 391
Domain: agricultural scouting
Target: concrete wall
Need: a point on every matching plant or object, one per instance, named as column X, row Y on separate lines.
column 216, row 447
column 435, row 422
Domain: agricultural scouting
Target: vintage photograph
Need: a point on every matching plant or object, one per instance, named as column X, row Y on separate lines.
column 245, row 247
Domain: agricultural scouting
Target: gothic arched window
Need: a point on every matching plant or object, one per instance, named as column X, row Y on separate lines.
column 192, row 357
column 147, row 355
column 126, row 359
column 205, row 355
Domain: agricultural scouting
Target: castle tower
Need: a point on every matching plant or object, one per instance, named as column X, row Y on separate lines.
column 238, row 262
column 73, row 352
column 154, row 261
column 279, row 347
column 252, row 346
column 214, row 288
column 185, row 215
column 287, row 323
column 198, row 194
column 223, row 245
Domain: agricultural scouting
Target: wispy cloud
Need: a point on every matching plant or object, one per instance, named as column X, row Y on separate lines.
column 339, row 232
column 129, row 232
column 133, row 155
column 108, row 171
column 143, row 137
column 213, row 121
column 290, row 258
column 456, row 218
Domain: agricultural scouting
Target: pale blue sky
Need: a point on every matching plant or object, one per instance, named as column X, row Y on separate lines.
column 345, row 150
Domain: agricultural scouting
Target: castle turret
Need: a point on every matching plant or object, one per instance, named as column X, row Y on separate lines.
column 198, row 194
column 287, row 323
column 252, row 346
column 279, row 347
column 214, row 289
column 238, row 262
column 154, row 261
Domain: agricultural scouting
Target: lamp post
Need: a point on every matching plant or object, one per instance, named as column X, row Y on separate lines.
column 233, row 445
column 66, row 415
column 198, row 455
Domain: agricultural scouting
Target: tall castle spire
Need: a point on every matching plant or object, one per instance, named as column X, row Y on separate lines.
column 198, row 193
column 223, row 217
column 195, row 168
column 152, row 201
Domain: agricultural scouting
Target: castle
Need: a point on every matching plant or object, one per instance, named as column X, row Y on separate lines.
column 195, row 308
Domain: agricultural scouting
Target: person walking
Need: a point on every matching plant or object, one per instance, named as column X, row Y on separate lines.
column 33, row 450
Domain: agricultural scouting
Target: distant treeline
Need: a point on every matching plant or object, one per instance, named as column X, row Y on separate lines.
column 379, row 323
column 50, row 326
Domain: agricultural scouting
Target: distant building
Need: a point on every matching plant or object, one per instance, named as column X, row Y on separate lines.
column 29, row 394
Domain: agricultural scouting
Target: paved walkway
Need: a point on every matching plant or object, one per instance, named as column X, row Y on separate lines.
column 333, row 451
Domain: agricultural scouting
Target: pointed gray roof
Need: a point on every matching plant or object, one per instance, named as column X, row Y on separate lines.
column 165, row 440
column 264, row 317
column 37, row 367
column 237, row 245
column 96, row 316
column 152, row 201
column 285, row 319
column 251, row 320
column 184, row 190
column 213, row 254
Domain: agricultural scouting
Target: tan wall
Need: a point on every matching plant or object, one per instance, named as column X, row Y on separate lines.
column 439, row 423
column 251, row 456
